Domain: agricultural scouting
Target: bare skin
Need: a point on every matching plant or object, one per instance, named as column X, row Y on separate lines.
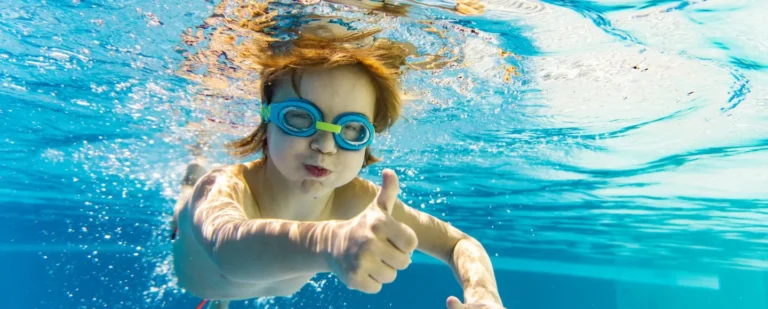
column 264, row 228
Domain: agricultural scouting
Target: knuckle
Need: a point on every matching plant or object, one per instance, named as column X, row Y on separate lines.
column 380, row 219
column 377, row 227
column 359, row 262
column 362, row 243
column 366, row 245
column 359, row 279
column 414, row 241
column 363, row 256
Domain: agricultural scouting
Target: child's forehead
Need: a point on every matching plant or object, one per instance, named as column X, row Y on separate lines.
column 341, row 77
column 333, row 91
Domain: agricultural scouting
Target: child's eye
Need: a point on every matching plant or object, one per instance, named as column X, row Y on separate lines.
column 298, row 119
column 352, row 131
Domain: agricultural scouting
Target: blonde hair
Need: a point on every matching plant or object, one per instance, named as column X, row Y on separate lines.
column 382, row 61
column 242, row 43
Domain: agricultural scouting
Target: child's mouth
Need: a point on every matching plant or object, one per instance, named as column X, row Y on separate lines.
column 316, row 170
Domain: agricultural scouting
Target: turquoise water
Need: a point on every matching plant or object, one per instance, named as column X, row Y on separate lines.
column 624, row 165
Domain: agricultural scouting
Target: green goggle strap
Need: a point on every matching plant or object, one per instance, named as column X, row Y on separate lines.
column 265, row 111
column 329, row 127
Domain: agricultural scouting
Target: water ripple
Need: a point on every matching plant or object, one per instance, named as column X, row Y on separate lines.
column 595, row 13
column 668, row 162
column 739, row 90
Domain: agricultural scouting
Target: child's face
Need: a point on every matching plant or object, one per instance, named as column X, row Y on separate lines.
column 334, row 91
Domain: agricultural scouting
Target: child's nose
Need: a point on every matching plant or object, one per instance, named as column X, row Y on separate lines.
column 323, row 142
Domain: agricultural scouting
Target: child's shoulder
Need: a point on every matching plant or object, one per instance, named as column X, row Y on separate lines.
column 351, row 198
column 228, row 177
column 240, row 171
column 228, row 182
column 358, row 187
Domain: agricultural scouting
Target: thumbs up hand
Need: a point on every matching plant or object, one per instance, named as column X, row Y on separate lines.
column 369, row 249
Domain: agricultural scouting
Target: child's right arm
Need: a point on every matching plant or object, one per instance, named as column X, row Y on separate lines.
column 252, row 250
column 365, row 251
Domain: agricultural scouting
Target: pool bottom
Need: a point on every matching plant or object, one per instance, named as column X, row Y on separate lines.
column 108, row 280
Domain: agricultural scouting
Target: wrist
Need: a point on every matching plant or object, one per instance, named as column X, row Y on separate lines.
column 481, row 294
column 326, row 240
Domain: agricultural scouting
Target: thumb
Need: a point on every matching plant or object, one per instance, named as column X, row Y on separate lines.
column 453, row 303
column 390, row 187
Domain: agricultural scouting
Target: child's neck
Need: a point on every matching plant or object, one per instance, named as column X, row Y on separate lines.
column 278, row 198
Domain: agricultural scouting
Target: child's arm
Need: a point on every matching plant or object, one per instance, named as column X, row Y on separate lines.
column 465, row 255
column 365, row 251
column 251, row 250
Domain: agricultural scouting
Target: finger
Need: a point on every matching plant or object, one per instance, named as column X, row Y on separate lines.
column 363, row 282
column 369, row 285
column 402, row 237
column 390, row 188
column 453, row 303
column 394, row 258
column 383, row 273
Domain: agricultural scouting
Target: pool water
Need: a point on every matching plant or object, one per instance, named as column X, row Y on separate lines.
column 607, row 153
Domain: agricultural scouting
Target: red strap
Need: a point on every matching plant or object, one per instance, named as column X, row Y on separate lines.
column 202, row 303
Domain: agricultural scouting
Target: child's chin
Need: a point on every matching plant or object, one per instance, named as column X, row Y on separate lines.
column 314, row 188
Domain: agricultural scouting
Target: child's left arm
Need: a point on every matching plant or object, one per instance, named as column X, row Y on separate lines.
column 464, row 254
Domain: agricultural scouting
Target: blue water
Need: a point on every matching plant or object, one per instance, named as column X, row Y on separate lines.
column 617, row 158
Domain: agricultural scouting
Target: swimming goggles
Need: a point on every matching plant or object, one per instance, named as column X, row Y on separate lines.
column 298, row 117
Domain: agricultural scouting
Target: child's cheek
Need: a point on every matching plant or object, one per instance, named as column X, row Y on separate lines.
column 355, row 161
column 281, row 143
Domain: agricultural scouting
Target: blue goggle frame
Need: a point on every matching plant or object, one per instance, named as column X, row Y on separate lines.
column 274, row 112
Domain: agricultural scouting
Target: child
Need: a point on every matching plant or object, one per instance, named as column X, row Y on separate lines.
column 265, row 227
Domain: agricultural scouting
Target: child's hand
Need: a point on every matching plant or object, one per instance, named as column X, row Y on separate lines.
column 369, row 248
